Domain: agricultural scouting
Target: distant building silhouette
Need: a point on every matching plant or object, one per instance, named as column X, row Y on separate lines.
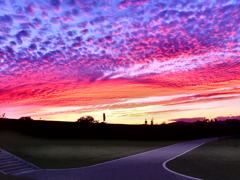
column 145, row 121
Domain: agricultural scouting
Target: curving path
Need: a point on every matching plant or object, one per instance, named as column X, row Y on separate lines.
column 149, row 165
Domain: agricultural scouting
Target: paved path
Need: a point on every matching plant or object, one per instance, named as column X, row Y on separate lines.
column 11, row 164
column 144, row 166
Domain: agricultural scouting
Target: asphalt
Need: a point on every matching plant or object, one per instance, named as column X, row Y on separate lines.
column 150, row 165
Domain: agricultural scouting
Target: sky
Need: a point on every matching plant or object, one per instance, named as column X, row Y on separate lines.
column 130, row 59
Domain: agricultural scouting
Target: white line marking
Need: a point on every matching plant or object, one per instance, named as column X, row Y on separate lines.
column 186, row 176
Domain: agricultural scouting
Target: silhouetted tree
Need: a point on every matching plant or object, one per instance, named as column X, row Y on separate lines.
column 152, row 121
column 86, row 120
column 26, row 118
column 3, row 116
column 145, row 122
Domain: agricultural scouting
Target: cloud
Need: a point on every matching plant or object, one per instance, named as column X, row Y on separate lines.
column 55, row 3
column 156, row 45
column 189, row 119
column 180, row 64
column 222, row 118
column 6, row 19
column 136, row 3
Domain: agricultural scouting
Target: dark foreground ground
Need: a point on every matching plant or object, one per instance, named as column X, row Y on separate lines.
column 8, row 177
column 74, row 130
column 63, row 144
column 69, row 144
column 65, row 153
column 143, row 166
column 218, row 160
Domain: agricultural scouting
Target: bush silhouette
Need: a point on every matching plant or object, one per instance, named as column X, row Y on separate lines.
column 26, row 118
column 86, row 120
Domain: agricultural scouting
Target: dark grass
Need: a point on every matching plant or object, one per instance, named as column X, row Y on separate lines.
column 8, row 177
column 65, row 153
column 218, row 160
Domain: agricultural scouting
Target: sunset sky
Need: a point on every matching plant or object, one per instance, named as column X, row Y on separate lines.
column 131, row 59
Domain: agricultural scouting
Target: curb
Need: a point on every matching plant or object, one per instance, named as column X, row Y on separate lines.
column 179, row 174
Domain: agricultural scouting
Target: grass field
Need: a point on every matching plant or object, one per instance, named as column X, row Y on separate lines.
column 218, row 160
column 7, row 177
column 48, row 153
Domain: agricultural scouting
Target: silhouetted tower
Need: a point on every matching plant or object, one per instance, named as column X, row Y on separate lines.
column 152, row 121
column 145, row 121
column 104, row 117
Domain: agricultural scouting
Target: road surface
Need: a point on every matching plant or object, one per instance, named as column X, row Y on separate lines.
column 149, row 165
